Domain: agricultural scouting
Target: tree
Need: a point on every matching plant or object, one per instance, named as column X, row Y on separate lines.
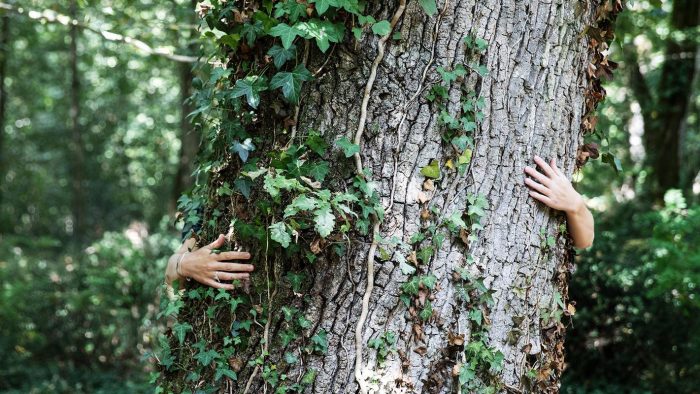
column 665, row 99
column 77, row 149
column 4, row 51
column 396, row 247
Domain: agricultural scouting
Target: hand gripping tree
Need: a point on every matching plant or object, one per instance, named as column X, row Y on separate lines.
column 370, row 157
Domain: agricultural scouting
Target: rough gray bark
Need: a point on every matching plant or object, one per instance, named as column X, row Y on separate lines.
column 534, row 95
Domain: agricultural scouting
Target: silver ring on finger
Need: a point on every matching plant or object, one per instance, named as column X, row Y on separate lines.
column 216, row 276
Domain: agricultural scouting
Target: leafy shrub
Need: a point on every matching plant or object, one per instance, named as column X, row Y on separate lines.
column 638, row 312
column 80, row 322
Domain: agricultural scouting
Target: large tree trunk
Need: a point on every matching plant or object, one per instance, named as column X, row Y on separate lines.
column 536, row 94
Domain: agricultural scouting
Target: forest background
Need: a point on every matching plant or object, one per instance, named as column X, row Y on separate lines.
column 95, row 150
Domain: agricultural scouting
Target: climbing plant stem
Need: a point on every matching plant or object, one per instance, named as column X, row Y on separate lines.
column 375, row 229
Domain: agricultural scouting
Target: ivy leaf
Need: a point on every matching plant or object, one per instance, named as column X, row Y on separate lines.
column 320, row 342
column 316, row 143
column 428, row 281
column 250, row 87
column 290, row 358
column 613, row 161
column 348, row 147
column 407, row 269
column 427, row 311
column 290, row 82
column 324, row 32
column 281, row 55
column 294, row 9
column 429, row 6
column 432, row 170
column 322, row 5
column 381, row 28
column 221, row 372
column 466, row 374
column 286, row 33
column 180, row 330
column 205, row 358
column 411, row 287
column 324, row 220
column 301, row 203
column 243, row 149
column 318, row 171
column 279, row 234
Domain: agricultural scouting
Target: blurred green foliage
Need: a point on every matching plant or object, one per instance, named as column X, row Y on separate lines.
column 81, row 322
column 637, row 326
column 78, row 316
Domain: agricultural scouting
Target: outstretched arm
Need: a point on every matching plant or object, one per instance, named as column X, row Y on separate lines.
column 554, row 190
column 206, row 266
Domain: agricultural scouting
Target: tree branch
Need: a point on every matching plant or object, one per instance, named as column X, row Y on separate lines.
column 50, row 16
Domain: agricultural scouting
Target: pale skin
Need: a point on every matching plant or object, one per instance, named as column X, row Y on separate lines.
column 552, row 188
column 206, row 266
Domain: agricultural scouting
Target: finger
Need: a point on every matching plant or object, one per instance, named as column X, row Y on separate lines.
column 556, row 169
column 540, row 197
column 537, row 187
column 233, row 267
column 233, row 275
column 545, row 167
column 232, row 256
column 541, row 178
column 216, row 244
column 218, row 285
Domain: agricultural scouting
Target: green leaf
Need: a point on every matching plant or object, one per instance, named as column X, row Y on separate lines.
column 613, row 161
column 428, row 281
column 320, row 341
column 250, row 87
column 466, row 374
column 318, row 171
column 324, row 32
column 290, row 82
column 348, row 147
column 294, row 9
column 281, row 55
column 290, row 358
column 180, row 330
column 357, row 32
column 406, row 268
column 205, row 358
column 429, row 6
column 300, row 203
column 322, row 5
column 243, row 148
column 286, row 33
column 381, row 28
column 411, row 287
column 316, row 143
column 432, row 170
column 324, row 220
column 427, row 311
column 278, row 233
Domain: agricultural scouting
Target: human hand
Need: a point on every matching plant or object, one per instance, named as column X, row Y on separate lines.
column 210, row 268
column 552, row 188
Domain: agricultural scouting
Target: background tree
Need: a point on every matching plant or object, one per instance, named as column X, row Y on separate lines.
column 420, row 241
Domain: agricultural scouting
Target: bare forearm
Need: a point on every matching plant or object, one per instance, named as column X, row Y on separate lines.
column 581, row 227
